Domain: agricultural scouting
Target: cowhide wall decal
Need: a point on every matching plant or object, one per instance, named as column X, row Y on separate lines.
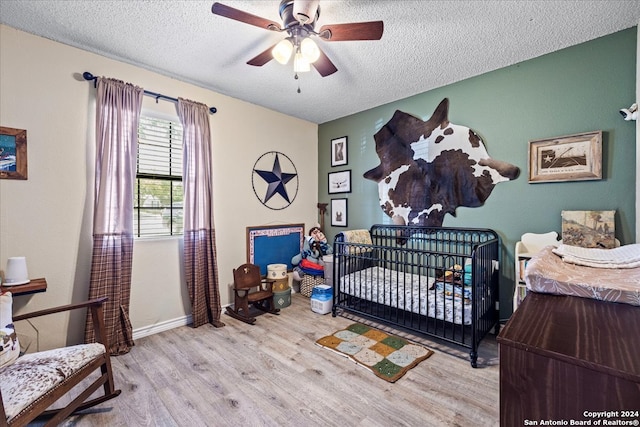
column 428, row 169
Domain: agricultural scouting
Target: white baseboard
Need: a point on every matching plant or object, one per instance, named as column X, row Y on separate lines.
column 161, row 327
column 165, row 326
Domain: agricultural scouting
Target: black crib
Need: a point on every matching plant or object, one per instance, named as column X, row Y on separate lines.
column 436, row 281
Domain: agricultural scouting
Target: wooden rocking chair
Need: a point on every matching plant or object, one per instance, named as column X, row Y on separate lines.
column 251, row 289
column 35, row 381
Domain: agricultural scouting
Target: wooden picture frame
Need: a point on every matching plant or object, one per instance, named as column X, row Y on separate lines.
column 13, row 153
column 339, row 182
column 339, row 212
column 339, row 151
column 274, row 244
column 575, row 157
column 589, row 229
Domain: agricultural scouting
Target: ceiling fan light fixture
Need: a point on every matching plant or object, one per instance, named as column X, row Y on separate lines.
column 310, row 50
column 282, row 51
column 300, row 64
column 306, row 11
column 299, row 19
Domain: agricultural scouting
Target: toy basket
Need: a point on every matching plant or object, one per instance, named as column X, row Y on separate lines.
column 308, row 283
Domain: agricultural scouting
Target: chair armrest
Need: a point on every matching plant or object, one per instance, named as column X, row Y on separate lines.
column 267, row 284
column 91, row 303
column 97, row 316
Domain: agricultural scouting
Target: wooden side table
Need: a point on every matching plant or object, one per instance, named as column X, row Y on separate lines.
column 34, row 286
column 562, row 357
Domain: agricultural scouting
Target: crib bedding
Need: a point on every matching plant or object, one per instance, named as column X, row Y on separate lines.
column 419, row 294
column 546, row 272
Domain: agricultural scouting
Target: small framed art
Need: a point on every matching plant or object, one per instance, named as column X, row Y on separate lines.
column 589, row 229
column 13, row 153
column 339, row 151
column 340, row 182
column 567, row 158
column 339, row 212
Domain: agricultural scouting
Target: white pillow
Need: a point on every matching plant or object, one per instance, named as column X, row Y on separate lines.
column 9, row 346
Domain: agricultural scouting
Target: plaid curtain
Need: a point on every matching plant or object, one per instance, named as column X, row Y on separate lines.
column 118, row 107
column 201, row 268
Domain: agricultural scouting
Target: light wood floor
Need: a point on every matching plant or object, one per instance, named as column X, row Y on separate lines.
column 273, row 374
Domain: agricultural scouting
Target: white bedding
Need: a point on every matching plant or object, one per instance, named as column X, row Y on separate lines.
column 627, row 256
column 410, row 292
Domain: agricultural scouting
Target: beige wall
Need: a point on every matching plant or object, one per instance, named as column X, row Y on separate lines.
column 48, row 218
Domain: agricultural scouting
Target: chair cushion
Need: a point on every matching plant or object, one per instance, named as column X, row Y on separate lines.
column 9, row 345
column 35, row 374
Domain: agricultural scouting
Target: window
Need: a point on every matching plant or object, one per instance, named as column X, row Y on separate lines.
column 158, row 190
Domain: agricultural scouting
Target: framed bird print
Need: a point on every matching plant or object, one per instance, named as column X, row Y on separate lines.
column 340, row 182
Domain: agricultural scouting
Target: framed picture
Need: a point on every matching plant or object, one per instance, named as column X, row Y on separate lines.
column 339, row 151
column 339, row 212
column 13, row 153
column 340, row 182
column 274, row 244
column 589, row 229
column 567, row 158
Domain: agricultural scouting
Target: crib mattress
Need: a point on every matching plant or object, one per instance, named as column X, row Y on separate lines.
column 411, row 292
column 547, row 273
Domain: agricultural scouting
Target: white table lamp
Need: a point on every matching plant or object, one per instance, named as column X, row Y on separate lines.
column 16, row 272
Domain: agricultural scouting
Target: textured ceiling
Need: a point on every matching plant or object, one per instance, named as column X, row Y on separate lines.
column 426, row 44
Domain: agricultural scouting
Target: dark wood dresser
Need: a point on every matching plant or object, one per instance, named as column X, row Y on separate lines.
column 565, row 358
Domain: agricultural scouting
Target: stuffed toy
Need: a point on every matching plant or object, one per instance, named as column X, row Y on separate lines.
column 309, row 261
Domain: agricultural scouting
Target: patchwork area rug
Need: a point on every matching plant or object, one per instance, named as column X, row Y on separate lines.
column 388, row 356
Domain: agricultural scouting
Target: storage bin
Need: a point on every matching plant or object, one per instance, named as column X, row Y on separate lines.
column 280, row 285
column 282, row 299
column 277, row 271
column 308, row 282
column 322, row 299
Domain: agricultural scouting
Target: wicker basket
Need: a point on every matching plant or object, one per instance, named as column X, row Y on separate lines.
column 308, row 282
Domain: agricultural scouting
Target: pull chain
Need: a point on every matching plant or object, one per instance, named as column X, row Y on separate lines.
column 296, row 77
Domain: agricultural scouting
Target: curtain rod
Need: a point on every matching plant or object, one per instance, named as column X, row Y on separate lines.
column 88, row 76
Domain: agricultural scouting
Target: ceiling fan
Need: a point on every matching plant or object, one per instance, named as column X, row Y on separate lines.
column 299, row 18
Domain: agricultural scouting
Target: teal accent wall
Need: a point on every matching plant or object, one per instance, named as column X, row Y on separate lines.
column 574, row 90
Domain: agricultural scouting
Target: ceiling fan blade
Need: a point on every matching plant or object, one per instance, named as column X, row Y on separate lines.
column 262, row 58
column 354, row 31
column 247, row 18
column 324, row 65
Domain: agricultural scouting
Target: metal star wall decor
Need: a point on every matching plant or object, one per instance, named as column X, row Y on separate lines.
column 275, row 180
